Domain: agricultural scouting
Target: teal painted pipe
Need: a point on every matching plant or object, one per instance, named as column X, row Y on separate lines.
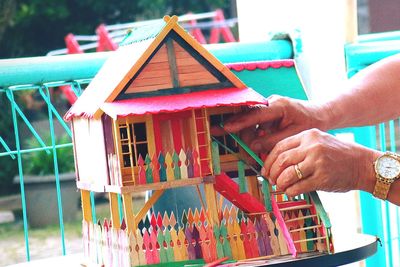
column 38, row 70
column 371, row 208
column 358, row 56
column 245, row 52
column 381, row 36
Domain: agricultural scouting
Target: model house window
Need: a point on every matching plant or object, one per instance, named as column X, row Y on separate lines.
column 227, row 140
column 133, row 139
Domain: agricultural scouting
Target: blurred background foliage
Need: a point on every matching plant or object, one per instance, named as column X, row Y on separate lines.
column 34, row 27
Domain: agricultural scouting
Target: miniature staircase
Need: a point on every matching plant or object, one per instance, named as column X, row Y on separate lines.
column 230, row 190
column 249, row 204
column 302, row 228
column 296, row 234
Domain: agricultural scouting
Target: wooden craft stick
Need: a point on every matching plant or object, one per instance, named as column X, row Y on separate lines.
column 201, row 199
column 277, row 192
column 256, row 213
column 86, row 205
column 305, row 228
column 310, row 239
column 320, row 209
column 146, row 207
column 300, row 218
column 256, row 259
column 282, row 225
column 128, row 212
column 216, row 262
column 296, row 207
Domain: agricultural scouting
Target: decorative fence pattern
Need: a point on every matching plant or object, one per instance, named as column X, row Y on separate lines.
column 161, row 239
column 166, row 167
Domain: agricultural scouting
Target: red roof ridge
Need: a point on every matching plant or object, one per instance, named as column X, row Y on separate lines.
column 240, row 66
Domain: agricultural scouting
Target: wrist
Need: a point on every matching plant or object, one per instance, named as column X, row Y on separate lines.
column 324, row 116
column 366, row 172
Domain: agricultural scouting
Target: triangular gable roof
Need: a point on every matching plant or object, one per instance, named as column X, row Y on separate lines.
column 127, row 62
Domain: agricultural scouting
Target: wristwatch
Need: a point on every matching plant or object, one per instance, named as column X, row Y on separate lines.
column 387, row 170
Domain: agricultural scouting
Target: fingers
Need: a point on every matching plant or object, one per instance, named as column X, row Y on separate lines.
column 267, row 142
column 289, row 177
column 217, row 130
column 301, row 187
column 292, row 156
column 256, row 115
column 285, row 160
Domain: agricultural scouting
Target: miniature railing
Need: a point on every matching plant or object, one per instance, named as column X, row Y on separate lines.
column 167, row 167
column 162, row 238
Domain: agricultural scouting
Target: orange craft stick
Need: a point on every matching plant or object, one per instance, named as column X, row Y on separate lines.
column 216, row 262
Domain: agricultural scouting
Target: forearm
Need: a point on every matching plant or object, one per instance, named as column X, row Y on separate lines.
column 373, row 96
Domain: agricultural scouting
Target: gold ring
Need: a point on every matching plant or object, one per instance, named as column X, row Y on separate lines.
column 298, row 171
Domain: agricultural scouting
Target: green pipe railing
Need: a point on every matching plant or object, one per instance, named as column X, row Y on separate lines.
column 370, row 49
column 380, row 36
column 38, row 70
column 361, row 55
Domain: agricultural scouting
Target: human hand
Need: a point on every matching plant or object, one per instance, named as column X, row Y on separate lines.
column 262, row 127
column 325, row 162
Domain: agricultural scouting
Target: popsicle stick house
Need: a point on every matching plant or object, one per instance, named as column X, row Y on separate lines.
column 143, row 123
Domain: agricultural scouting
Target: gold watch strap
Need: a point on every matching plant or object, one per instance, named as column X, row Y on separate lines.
column 381, row 189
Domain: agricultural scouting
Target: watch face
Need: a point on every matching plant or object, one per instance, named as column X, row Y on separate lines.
column 388, row 167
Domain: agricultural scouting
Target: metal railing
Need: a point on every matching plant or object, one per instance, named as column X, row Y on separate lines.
column 379, row 218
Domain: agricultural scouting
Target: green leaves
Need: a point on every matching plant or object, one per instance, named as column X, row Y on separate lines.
column 42, row 163
column 39, row 26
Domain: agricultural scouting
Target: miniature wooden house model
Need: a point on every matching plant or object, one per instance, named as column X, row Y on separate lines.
column 143, row 124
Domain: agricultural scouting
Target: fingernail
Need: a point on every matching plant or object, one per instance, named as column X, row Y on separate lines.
column 263, row 171
column 256, row 146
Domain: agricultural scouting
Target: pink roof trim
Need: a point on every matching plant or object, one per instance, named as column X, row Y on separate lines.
column 261, row 65
column 181, row 102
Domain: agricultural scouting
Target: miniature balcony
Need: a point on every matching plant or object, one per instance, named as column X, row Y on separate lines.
column 161, row 172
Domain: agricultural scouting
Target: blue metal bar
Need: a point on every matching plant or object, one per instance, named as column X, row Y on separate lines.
column 54, row 111
column 120, row 208
column 25, row 87
column 76, row 87
column 24, row 151
column 7, row 148
column 360, row 55
column 56, row 173
column 393, row 149
column 93, row 206
column 388, row 240
column 21, row 174
column 398, row 221
column 380, row 36
column 30, row 127
column 371, row 208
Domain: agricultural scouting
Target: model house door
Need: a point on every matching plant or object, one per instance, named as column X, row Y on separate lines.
column 173, row 132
